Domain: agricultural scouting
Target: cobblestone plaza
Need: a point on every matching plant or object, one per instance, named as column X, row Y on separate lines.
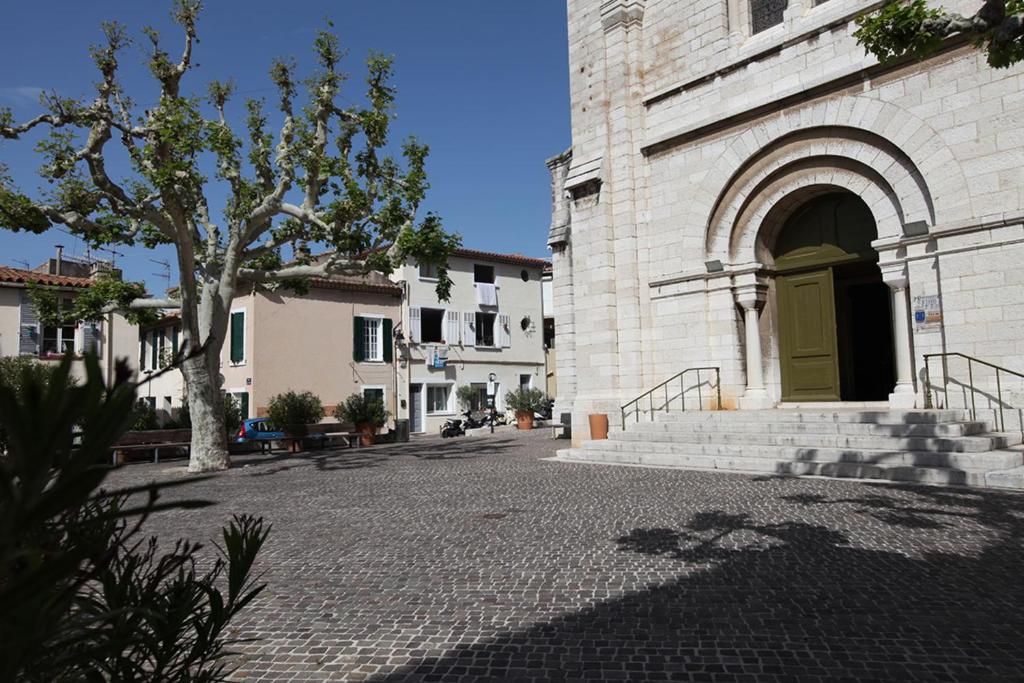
column 480, row 559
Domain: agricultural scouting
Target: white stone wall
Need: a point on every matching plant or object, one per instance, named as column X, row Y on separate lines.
column 699, row 131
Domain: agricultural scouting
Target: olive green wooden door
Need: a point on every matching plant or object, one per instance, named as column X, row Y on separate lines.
column 807, row 335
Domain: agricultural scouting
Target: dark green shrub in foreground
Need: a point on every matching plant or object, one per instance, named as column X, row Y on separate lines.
column 84, row 596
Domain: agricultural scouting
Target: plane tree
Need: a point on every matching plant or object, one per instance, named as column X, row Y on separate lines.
column 914, row 28
column 241, row 205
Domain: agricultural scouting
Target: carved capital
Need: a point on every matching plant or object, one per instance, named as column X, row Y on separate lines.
column 622, row 13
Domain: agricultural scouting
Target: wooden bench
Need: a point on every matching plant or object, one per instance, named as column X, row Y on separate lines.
column 151, row 440
column 565, row 424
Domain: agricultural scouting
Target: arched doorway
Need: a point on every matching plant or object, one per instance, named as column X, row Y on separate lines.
column 834, row 317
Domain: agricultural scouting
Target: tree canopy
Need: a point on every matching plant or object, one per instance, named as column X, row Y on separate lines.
column 912, row 28
column 325, row 180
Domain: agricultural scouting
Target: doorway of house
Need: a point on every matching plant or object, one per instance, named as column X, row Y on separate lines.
column 416, row 408
column 835, row 322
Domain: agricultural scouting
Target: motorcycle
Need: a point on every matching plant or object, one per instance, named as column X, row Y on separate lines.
column 452, row 428
column 545, row 411
column 473, row 422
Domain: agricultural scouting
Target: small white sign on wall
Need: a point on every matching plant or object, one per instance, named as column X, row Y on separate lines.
column 928, row 313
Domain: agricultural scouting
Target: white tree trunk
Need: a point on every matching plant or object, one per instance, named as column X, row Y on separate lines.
column 209, row 450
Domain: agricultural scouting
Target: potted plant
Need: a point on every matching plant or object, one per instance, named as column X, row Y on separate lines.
column 367, row 414
column 524, row 402
column 465, row 395
column 293, row 412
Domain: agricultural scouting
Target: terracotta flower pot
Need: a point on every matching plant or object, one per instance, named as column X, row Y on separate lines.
column 524, row 419
column 598, row 426
column 366, row 434
column 296, row 434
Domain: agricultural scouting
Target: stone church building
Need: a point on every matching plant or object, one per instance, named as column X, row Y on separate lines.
column 748, row 191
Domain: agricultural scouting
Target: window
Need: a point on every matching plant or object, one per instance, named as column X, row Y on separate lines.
column 766, row 13
column 374, row 393
column 150, row 401
column 479, row 399
column 549, row 333
column 437, row 398
column 428, row 271
column 482, row 273
column 485, row 329
column 525, row 274
column 161, row 348
column 237, row 337
column 525, row 381
column 373, row 348
column 59, row 339
column 373, row 340
column 432, row 325
column 241, row 399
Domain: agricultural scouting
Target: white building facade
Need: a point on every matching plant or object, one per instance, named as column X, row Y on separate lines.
column 492, row 325
column 747, row 190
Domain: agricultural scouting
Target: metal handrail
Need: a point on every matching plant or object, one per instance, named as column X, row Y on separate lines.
column 682, row 393
column 970, row 382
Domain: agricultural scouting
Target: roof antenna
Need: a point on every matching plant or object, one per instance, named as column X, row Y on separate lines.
column 165, row 273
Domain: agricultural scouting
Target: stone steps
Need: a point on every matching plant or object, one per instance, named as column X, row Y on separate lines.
column 926, row 446
column 1009, row 478
column 923, row 429
column 960, row 444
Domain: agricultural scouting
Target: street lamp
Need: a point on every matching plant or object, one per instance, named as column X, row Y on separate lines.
column 491, row 387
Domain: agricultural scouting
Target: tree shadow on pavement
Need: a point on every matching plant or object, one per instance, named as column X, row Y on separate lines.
column 765, row 602
column 931, row 507
column 343, row 458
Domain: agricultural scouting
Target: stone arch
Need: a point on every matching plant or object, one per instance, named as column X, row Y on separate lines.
column 772, row 200
column 903, row 149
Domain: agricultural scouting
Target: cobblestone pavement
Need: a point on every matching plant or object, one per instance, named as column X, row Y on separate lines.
column 478, row 559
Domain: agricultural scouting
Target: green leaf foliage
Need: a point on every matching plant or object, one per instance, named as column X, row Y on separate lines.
column 914, row 29
column 361, row 410
column 525, row 400
column 84, row 596
column 295, row 408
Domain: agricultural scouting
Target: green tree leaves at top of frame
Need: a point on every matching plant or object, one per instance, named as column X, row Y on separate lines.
column 910, row 28
column 898, row 30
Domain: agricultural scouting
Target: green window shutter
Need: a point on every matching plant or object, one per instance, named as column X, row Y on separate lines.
column 243, row 400
column 174, row 340
column 237, row 337
column 358, row 339
column 154, row 352
column 387, row 341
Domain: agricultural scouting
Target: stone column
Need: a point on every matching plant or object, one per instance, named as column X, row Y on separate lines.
column 751, row 298
column 903, row 396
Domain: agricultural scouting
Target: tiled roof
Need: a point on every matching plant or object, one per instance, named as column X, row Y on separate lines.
column 373, row 282
column 514, row 259
column 19, row 276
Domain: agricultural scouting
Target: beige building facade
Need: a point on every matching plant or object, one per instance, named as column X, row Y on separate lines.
column 23, row 334
column 747, row 190
column 280, row 341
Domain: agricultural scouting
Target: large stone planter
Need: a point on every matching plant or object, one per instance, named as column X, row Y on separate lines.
column 524, row 419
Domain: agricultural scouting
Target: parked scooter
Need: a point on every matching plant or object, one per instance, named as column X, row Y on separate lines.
column 474, row 422
column 452, row 428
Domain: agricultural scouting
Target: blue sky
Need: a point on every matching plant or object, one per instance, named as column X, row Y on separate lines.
column 485, row 84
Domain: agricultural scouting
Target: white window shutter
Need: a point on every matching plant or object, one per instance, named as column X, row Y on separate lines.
column 469, row 328
column 415, row 333
column 453, row 328
column 505, row 331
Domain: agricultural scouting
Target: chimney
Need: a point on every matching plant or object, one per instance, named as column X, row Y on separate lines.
column 60, row 260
